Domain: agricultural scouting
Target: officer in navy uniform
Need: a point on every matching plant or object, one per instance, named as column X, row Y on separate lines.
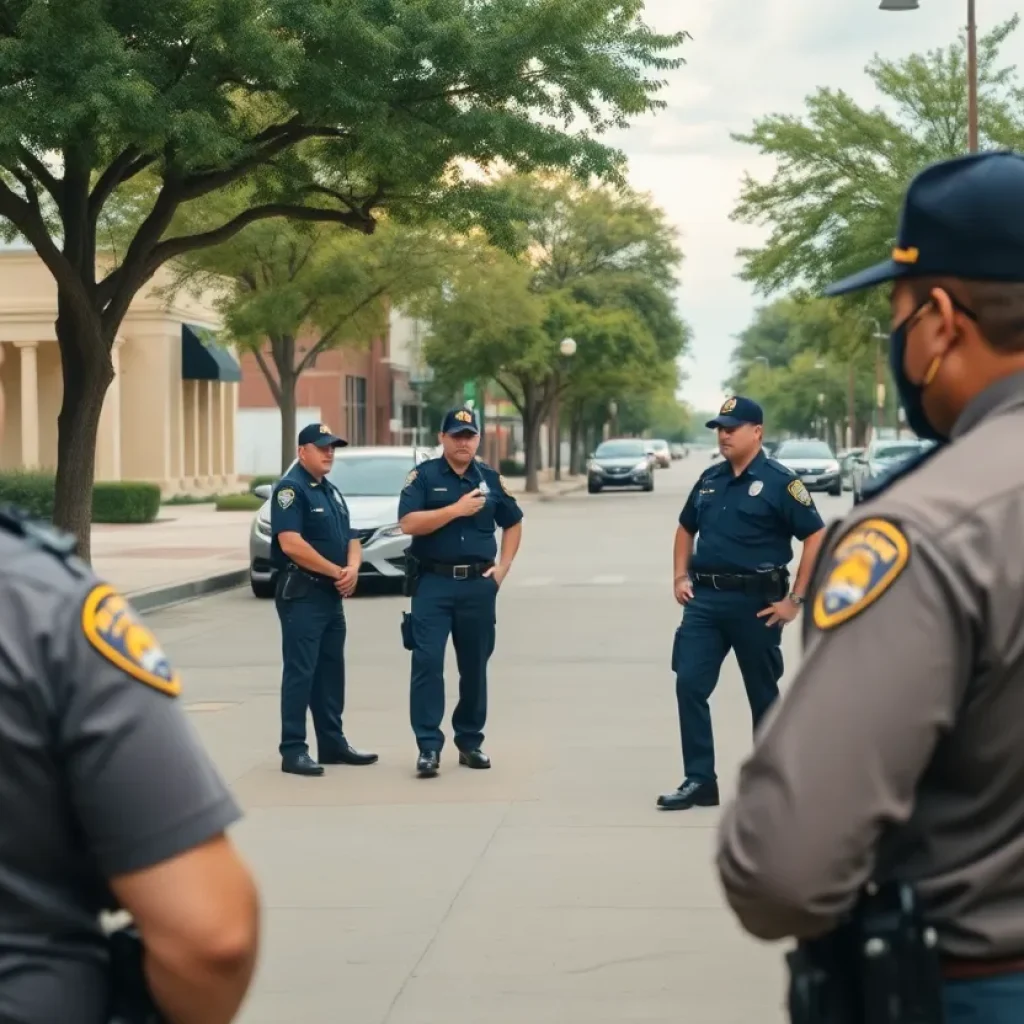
column 318, row 558
column 744, row 513
column 451, row 506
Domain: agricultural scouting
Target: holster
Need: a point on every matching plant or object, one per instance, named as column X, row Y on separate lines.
column 413, row 571
column 130, row 998
column 407, row 640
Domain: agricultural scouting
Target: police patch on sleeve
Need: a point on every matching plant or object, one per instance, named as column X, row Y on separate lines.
column 110, row 624
column 800, row 492
column 864, row 564
column 412, row 476
column 504, row 485
column 285, row 497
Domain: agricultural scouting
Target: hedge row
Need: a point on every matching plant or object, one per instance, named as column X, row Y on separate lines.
column 257, row 481
column 112, row 502
column 238, row 503
column 511, row 467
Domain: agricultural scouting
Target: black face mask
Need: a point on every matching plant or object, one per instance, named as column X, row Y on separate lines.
column 911, row 394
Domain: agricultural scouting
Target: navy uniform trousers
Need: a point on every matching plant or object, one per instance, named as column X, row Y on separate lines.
column 714, row 623
column 464, row 609
column 996, row 1000
column 313, row 677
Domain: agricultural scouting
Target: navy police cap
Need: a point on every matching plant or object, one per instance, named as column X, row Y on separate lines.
column 321, row 436
column 961, row 218
column 736, row 411
column 460, row 421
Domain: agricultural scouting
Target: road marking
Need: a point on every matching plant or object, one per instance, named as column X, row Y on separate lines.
column 536, row 581
column 608, row 581
column 207, row 706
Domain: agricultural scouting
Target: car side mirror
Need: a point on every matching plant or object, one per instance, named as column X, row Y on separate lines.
column 592, row 455
column 648, row 451
column 263, row 491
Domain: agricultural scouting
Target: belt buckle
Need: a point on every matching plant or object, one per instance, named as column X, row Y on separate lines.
column 460, row 572
column 714, row 581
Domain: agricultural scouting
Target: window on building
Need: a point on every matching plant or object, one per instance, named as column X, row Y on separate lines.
column 355, row 409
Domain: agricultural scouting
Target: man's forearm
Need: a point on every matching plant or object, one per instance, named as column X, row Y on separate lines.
column 511, row 538
column 682, row 549
column 304, row 556
column 355, row 554
column 417, row 524
column 812, row 545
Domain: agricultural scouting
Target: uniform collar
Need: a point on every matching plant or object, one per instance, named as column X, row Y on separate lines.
column 472, row 470
column 755, row 469
column 1004, row 394
column 308, row 477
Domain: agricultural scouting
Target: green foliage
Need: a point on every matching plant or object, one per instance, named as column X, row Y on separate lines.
column 112, row 502
column 511, row 467
column 238, row 503
column 832, row 205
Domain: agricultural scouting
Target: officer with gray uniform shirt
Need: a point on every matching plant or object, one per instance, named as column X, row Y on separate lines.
column 898, row 752
column 108, row 800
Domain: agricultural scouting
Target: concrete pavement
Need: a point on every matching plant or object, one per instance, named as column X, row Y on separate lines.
column 546, row 891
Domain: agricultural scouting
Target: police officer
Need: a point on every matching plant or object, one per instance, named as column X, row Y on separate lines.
column 898, row 753
column 109, row 801
column 451, row 506
column 318, row 558
column 744, row 512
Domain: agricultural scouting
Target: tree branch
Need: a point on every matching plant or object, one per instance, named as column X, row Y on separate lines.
column 512, row 396
column 275, row 388
column 123, row 168
column 327, row 338
column 49, row 181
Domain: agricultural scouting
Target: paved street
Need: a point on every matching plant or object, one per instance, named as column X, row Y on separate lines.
column 546, row 891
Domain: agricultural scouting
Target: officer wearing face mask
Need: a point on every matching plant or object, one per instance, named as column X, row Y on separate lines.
column 898, row 755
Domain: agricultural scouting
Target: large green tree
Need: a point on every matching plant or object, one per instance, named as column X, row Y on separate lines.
column 832, row 205
column 330, row 108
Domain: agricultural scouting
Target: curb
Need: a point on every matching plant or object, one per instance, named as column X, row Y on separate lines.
column 163, row 597
column 561, row 493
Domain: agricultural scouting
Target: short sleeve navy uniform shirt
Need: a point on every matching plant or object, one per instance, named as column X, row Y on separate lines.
column 747, row 523
column 433, row 485
column 314, row 509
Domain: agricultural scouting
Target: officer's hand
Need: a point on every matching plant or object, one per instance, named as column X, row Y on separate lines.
column 683, row 589
column 779, row 613
column 346, row 582
column 470, row 504
column 497, row 573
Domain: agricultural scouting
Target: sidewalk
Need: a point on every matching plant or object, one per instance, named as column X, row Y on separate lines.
column 188, row 546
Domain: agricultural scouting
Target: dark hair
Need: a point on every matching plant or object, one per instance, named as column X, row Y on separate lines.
column 998, row 308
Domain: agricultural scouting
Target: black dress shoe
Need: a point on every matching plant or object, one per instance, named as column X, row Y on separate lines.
column 428, row 764
column 301, row 764
column 474, row 759
column 348, row 755
column 690, row 794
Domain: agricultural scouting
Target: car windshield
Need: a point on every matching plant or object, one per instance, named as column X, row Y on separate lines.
column 803, row 450
column 370, row 475
column 620, row 450
column 896, row 451
column 659, row 445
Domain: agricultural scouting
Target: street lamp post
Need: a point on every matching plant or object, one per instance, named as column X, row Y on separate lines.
column 972, row 63
column 567, row 349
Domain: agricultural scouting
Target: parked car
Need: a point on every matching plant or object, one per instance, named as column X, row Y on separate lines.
column 621, row 462
column 677, row 451
column 814, row 462
column 881, row 457
column 662, row 453
column 846, row 461
column 371, row 480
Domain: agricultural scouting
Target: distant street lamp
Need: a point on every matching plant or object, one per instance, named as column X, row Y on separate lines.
column 567, row 347
column 972, row 63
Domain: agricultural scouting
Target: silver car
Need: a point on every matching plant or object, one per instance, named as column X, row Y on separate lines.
column 814, row 462
column 371, row 480
column 881, row 457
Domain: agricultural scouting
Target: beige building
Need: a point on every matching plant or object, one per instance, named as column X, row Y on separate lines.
column 170, row 412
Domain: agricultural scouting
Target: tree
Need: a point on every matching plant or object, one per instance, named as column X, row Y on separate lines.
column 833, row 203
column 287, row 279
column 330, row 109
column 594, row 264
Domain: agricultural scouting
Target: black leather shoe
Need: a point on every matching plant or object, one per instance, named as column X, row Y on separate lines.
column 428, row 764
column 474, row 759
column 690, row 794
column 348, row 755
column 301, row 764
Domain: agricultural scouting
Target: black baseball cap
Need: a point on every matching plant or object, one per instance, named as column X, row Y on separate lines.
column 961, row 218
column 460, row 421
column 321, row 436
column 736, row 411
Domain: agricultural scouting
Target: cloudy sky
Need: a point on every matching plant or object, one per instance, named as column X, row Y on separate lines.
column 749, row 58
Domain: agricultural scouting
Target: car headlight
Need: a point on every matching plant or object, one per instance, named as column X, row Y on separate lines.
column 263, row 522
column 641, row 466
column 387, row 531
column 595, row 468
column 832, row 467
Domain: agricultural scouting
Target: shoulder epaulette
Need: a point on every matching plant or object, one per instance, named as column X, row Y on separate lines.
column 779, row 467
column 38, row 533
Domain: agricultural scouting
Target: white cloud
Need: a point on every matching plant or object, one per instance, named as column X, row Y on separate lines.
column 749, row 58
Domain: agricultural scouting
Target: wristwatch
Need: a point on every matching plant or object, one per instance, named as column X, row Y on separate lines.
column 796, row 599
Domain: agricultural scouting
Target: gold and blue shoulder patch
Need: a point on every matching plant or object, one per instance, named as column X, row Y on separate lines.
column 863, row 566
column 412, row 476
column 111, row 625
column 504, row 485
column 286, row 497
column 797, row 489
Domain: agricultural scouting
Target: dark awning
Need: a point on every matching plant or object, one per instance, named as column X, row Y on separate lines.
column 203, row 359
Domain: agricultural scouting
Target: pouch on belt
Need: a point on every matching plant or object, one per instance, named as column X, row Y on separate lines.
column 407, row 641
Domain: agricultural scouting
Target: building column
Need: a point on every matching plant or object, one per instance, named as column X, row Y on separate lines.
column 29, row 403
column 230, row 421
column 206, row 431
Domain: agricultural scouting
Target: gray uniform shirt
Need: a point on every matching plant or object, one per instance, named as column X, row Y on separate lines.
column 100, row 774
column 898, row 750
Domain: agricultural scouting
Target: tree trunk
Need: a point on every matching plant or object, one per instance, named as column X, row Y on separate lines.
column 289, row 427
column 531, row 440
column 575, row 430
column 87, row 371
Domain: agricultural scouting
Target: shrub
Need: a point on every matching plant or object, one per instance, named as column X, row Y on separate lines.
column 511, row 467
column 256, row 481
column 239, row 503
column 120, row 501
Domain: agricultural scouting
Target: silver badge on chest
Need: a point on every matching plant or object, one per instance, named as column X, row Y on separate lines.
column 483, row 488
column 755, row 488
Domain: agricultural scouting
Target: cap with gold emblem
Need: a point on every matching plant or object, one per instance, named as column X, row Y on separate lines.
column 460, row 421
column 320, row 435
column 735, row 411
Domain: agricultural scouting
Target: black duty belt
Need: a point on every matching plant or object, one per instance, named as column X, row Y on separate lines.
column 463, row 571
column 323, row 582
column 745, row 582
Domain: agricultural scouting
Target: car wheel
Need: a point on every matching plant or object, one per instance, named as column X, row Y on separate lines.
column 836, row 491
column 591, row 489
column 649, row 486
column 262, row 588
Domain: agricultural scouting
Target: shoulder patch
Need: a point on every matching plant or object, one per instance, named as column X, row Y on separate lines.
column 110, row 624
column 286, row 497
column 864, row 564
column 412, row 476
column 797, row 489
column 504, row 486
